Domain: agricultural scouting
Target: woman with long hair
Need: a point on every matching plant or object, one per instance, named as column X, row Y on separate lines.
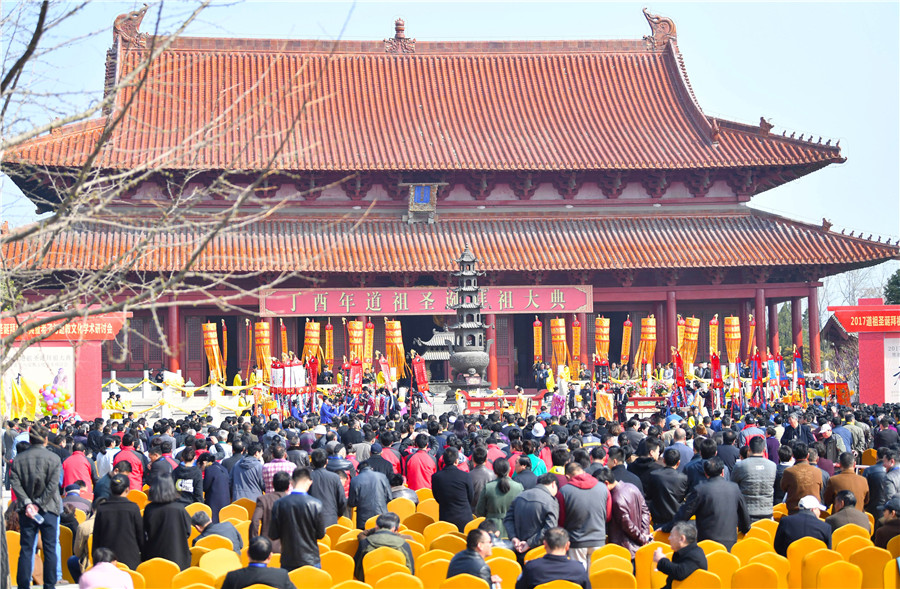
column 167, row 525
column 498, row 495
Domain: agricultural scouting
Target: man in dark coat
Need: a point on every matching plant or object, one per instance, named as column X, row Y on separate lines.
column 687, row 558
column 369, row 493
column 262, row 515
column 553, row 565
column 794, row 431
column 377, row 462
column 727, row 451
column 471, row 561
column 257, row 572
column 524, row 475
column 453, row 491
column 216, row 492
column 666, row 488
column 718, row 505
column 616, row 462
column 845, row 512
column 298, row 521
column 327, row 487
column 35, row 475
column 201, row 522
column 118, row 524
column 804, row 523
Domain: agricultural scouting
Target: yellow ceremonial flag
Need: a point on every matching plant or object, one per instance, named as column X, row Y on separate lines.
column 30, row 399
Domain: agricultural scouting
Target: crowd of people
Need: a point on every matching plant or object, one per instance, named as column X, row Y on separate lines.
column 569, row 483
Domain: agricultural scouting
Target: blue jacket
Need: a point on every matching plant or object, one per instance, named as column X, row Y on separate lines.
column 247, row 479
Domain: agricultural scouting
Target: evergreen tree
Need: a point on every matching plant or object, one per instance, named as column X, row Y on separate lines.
column 892, row 289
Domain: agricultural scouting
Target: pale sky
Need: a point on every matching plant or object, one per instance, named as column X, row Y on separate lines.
column 829, row 69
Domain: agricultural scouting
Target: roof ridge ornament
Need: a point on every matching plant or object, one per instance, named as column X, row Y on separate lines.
column 399, row 43
column 126, row 27
column 663, row 29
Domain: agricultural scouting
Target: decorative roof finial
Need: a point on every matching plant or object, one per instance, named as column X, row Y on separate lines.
column 765, row 126
column 126, row 27
column 663, row 30
column 399, row 43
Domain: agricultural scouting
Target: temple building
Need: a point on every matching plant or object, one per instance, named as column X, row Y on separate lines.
column 584, row 175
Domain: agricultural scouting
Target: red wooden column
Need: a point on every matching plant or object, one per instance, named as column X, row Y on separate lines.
column 774, row 344
column 759, row 313
column 797, row 322
column 491, row 321
column 671, row 321
column 662, row 335
column 815, row 351
column 582, row 318
column 173, row 328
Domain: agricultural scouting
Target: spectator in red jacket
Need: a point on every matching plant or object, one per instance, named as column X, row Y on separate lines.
column 79, row 467
column 420, row 466
column 135, row 459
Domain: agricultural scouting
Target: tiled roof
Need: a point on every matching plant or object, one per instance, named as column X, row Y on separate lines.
column 377, row 245
column 251, row 104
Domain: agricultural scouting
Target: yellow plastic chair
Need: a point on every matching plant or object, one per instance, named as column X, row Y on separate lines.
column 839, row 575
column 891, row 576
column 348, row 547
column 349, row 535
column 610, row 561
column 414, row 536
column 243, row 529
column 418, row 522
column 380, row 555
column 770, row 525
column 402, row 506
column 139, row 497
column 464, row 582
column 259, row 586
column 848, row 546
column 310, row 577
column 204, row 586
column 472, row 525
column 192, row 576
column 507, row 569
column 893, row 546
column 449, row 543
column 429, row 507
column 761, row 534
column 338, row 565
column 80, row 516
column 424, row 494
column 352, row 584
column 871, row 520
column 159, row 572
column 65, row 545
column 436, row 530
column 416, row 548
column 398, row 580
column 661, row 536
column 844, row 532
column 775, row 561
column 370, row 523
column 196, row 553
column 215, row 541
column 137, row 579
column 699, row 580
column 13, row 545
column 220, row 561
column 871, row 561
column 323, row 547
column 500, row 552
column 643, row 562
column 724, row 565
column 335, row 531
column 710, row 546
column 611, row 550
column 812, row 563
column 433, row 573
column 432, row 555
column 559, row 584
column 248, row 504
column 795, row 553
column 749, row 547
column 613, row 579
column 753, row 576
column 869, row 457
column 536, row 552
column 381, row 570
column 196, row 506
column 236, row 511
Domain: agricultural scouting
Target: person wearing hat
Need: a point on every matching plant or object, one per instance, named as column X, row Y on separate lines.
column 891, row 526
column 805, row 522
column 377, row 462
column 73, row 497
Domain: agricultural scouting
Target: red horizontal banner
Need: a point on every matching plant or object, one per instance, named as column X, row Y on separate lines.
column 98, row 327
column 309, row 302
column 884, row 318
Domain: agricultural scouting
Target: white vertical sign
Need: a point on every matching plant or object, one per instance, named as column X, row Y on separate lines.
column 892, row 369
